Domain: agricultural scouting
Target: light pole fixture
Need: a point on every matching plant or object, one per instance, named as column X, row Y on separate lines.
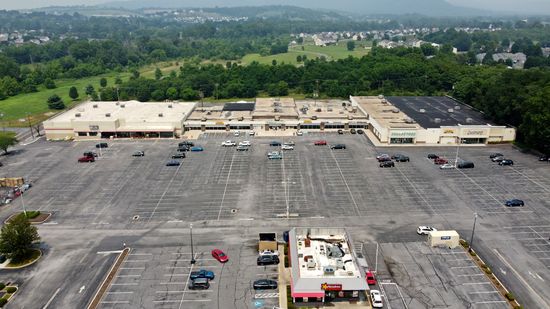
column 473, row 231
column 191, row 234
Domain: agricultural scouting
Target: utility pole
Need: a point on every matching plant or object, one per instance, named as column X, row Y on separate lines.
column 216, row 89
column 316, row 92
column 30, row 125
column 473, row 231
column 201, row 95
column 191, row 234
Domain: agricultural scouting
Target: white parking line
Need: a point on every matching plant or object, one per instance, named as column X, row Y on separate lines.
column 490, row 302
column 132, row 268
column 124, row 284
column 477, row 283
column 458, row 267
column 357, row 211
column 124, row 276
column 120, row 292
column 182, row 301
column 474, row 275
column 115, row 302
column 226, row 184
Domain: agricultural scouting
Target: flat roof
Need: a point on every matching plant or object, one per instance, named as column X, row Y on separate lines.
column 330, row 110
column 434, row 112
column 387, row 115
column 130, row 111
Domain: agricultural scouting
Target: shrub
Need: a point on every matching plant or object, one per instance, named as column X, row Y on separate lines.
column 510, row 296
column 464, row 243
column 286, row 261
column 3, row 302
column 487, row 271
column 11, row 289
column 472, row 253
column 2, row 285
column 31, row 214
column 518, row 307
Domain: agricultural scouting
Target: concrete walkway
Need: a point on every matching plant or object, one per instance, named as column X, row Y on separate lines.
column 283, row 278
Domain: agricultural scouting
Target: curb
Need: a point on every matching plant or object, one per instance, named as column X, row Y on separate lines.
column 35, row 223
column 26, row 265
column 108, row 279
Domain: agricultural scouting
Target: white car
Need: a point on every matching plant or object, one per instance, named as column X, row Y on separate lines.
column 269, row 252
column 424, row 230
column 229, row 144
column 289, row 143
column 299, row 133
column 245, row 143
column 446, row 166
column 376, row 299
column 237, row 133
column 251, row 133
column 287, row 147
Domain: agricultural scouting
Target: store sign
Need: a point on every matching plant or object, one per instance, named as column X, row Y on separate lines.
column 403, row 134
column 475, row 132
column 445, row 237
column 449, row 131
column 94, row 127
column 219, row 122
column 331, row 287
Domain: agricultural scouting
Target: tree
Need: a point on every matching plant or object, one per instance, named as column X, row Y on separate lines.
column 274, row 62
column 299, row 58
column 158, row 74
column 55, row 102
column 118, row 81
column 49, row 83
column 73, row 93
column 172, row 93
column 17, row 238
column 351, row 45
column 90, row 89
column 7, row 139
column 103, row 82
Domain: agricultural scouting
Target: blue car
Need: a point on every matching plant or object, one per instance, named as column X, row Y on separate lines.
column 197, row 148
column 203, row 273
column 514, row 203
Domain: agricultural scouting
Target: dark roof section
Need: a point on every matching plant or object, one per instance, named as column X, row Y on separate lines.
column 239, row 107
column 433, row 112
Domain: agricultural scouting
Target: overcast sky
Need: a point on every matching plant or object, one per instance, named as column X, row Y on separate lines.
column 520, row 6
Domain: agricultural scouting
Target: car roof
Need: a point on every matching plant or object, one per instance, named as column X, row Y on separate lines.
column 200, row 280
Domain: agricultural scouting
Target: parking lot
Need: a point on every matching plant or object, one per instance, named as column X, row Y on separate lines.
column 224, row 187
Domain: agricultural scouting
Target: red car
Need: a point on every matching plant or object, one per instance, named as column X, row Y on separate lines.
column 370, row 278
column 320, row 143
column 440, row 161
column 220, row 256
column 86, row 159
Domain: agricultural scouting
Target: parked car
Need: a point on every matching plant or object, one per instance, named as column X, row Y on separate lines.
column 237, row 133
column 138, row 153
column 269, row 252
column 203, row 273
column 299, row 133
column 101, row 145
column 370, row 278
column 387, row 164
column 274, row 157
column 340, row 131
column 320, row 143
column 440, row 161
column 401, row 158
column 383, row 157
column 245, row 143
column 376, row 299
column 446, row 166
column 287, row 147
column 242, row 148
column 544, row 158
column 338, row 146
column 199, row 284
column 265, row 284
column 90, row 154
column 229, row 143
column 514, row 203
column 173, row 163
column 220, row 256
column 197, row 148
column 506, row 162
column 275, row 143
column 432, row 156
column 496, row 154
column 359, row 131
column 497, row 159
column 86, row 159
column 186, row 143
column 183, row 148
column 179, row 155
column 267, row 260
column 352, row 131
column 289, row 143
column 251, row 133
column 465, row 164
column 424, row 230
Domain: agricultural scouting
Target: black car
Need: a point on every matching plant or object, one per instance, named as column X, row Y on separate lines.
column 400, row 158
column 496, row 154
column 101, row 145
column 506, row 162
column 338, row 146
column 544, row 158
column 387, row 164
column 173, row 163
column 90, row 154
column 186, row 143
column 267, row 260
column 432, row 156
column 340, row 131
column 183, row 148
column 138, row 153
column 265, row 284
column 352, row 131
column 179, row 155
column 465, row 164
column 514, row 203
column 359, row 131
column 275, row 143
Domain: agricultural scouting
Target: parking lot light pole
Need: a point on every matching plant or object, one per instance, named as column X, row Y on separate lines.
column 473, row 231
column 191, row 234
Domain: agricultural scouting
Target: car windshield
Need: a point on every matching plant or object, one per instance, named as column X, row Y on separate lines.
column 221, row 254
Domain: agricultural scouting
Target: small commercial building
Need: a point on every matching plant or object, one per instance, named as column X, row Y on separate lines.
column 428, row 120
column 448, row 239
column 132, row 119
column 324, row 266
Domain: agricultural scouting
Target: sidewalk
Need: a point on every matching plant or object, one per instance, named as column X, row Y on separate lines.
column 283, row 278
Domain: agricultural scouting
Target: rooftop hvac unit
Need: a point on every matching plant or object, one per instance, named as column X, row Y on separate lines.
column 319, row 110
column 469, row 120
column 122, row 105
column 457, row 107
column 241, row 118
column 450, row 110
column 328, row 270
column 422, row 110
column 208, row 113
column 313, row 117
column 350, row 117
column 339, row 264
column 395, row 110
column 409, row 120
column 117, row 103
column 203, row 119
column 329, row 109
column 437, row 120
column 94, row 106
column 169, row 105
column 108, row 115
column 380, row 96
column 384, row 101
column 161, row 115
column 311, row 264
column 277, row 118
column 77, row 115
column 277, row 110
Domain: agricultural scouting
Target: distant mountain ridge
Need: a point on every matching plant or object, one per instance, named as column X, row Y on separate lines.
column 367, row 7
